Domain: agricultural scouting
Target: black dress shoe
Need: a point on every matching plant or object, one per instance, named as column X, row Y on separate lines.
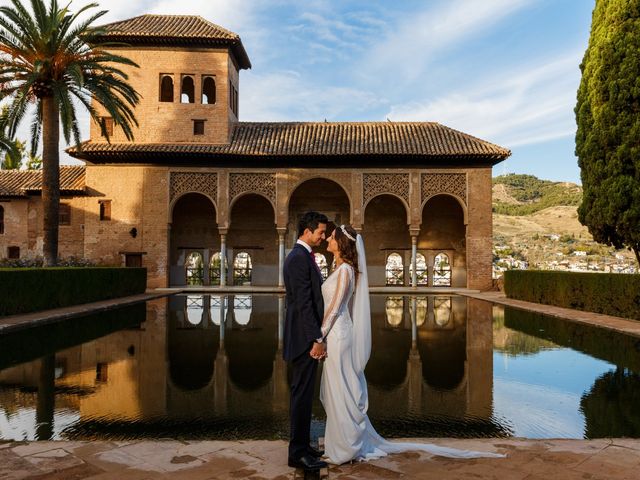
column 315, row 452
column 307, row 462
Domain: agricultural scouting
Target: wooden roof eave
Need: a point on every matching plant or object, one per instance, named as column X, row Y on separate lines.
column 346, row 160
column 235, row 46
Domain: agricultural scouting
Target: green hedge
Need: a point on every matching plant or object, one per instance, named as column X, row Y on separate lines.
column 609, row 293
column 24, row 290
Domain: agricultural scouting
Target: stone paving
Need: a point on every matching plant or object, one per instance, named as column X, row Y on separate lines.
column 12, row 323
column 599, row 320
column 605, row 459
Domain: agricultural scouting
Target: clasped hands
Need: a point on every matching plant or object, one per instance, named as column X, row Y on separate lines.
column 318, row 351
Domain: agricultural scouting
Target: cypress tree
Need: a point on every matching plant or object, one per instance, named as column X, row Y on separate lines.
column 608, row 119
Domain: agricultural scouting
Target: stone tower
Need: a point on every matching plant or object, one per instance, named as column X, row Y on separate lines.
column 188, row 78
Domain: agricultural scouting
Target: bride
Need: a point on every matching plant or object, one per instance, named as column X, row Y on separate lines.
column 346, row 326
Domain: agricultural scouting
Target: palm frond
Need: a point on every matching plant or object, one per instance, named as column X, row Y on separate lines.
column 51, row 51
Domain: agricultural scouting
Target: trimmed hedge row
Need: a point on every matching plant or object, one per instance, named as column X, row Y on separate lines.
column 609, row 293
column 24, row 290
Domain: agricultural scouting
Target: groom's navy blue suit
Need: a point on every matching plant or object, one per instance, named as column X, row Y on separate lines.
column 305, row 309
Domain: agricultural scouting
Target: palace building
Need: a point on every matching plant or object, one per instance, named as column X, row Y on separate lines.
column 201, row 198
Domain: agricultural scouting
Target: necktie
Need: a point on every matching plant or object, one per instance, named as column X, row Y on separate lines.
column 313, row 259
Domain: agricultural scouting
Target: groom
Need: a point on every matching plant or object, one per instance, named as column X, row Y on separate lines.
column 303, row 343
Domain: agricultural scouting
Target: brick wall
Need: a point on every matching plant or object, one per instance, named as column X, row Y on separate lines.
column 172, row 122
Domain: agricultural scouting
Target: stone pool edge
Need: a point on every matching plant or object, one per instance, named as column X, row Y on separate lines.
column 14, row 323
column 181, row 460
column 608, row 322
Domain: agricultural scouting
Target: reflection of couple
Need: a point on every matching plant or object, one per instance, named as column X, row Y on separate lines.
column 332, row 321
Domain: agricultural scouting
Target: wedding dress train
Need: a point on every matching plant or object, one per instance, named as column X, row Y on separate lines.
column 349, row 434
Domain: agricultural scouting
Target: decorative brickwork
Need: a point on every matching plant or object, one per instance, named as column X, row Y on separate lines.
column 184, row 182
column 262, row 183
column 374, row 184
column 453, row 183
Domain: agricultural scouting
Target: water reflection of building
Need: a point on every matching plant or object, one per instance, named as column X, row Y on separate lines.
column 431, row 359
column 210, row 356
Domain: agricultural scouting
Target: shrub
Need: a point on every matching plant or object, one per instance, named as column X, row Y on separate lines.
column 609, row 293
column 25, row 290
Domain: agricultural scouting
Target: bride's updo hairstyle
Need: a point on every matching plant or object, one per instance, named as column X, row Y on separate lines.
column 346, row 245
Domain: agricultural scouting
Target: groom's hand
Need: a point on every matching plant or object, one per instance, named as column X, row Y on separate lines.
column 318, row 351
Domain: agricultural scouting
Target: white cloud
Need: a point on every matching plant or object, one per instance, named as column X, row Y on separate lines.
column 530, row 105
column 409, row 47
column 286, row 96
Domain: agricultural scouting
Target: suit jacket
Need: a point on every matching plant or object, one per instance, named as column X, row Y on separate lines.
column 305, row 306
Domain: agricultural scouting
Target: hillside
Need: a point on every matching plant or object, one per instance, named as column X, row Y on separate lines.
column 518, row 194
column 536, row 221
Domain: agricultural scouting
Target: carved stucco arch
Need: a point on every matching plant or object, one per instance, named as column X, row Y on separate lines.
column 175, row 200
column 263, row 184
column 391, row 194
column 455, row 197
column 244, row 194
column 328, row 177
column 459, row 388
column 183, row 183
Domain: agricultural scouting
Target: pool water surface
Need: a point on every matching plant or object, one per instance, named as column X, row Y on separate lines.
column 210, row 367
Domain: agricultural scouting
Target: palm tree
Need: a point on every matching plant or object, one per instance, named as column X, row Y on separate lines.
column 8, row 146
column 50, row 57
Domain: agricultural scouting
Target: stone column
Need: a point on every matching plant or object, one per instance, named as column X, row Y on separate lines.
column 282, row 232
column 357, row 209
column 223, row 314
column 414, row 323
column 280, row 321
column 223, row 258
column 206, row 274
column 221, row 366
column 414, row 258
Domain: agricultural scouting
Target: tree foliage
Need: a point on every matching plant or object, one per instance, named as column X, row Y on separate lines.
column 20, row 156
column 54, row 59
column 8, row 145
column 608, row 120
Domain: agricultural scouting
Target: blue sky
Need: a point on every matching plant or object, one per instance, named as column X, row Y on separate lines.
column 506, row 71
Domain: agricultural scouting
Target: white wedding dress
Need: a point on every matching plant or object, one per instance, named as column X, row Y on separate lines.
column 349, row 434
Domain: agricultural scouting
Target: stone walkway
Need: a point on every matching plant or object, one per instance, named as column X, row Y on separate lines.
column 604, row 459
column 12, row 323
column 599, row 320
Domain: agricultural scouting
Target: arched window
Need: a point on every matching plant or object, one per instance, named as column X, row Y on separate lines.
column 421, row 304
column 442, row 310
column 242, row 269
column 1, row 219
column 442, row 271
column 214, row 269
column 394, row 272
column 195, row 269
column 321, row 261
column 208, row 91
column 242, row 306
column 394, row 308
column 188, row 90
column 166, row 89
column 195, row 307
column 421, row 269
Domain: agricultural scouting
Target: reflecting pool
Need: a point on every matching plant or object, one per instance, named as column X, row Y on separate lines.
column 210, row 367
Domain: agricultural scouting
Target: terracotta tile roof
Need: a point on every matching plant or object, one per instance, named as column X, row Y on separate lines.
column 323, row 139
column 190, row 30
column 19, row 183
